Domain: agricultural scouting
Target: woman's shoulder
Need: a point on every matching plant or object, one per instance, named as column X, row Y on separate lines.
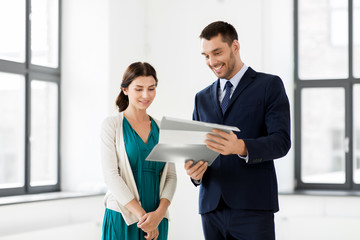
column 112, row 121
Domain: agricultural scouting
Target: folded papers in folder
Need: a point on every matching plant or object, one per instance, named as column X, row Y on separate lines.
column 181, row 140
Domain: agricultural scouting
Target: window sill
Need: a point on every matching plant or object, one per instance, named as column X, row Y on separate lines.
column 324, row 193
column 46, row 197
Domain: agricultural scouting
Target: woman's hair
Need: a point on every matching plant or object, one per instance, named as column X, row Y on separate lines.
column 226, row 30
column 133, row 71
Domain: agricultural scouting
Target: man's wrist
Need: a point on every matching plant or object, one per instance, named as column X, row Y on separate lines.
column 242, row 148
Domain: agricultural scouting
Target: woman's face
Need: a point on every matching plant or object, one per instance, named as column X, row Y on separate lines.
column 141, row 92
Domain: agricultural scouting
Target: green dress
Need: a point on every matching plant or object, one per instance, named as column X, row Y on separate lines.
column 147, row 178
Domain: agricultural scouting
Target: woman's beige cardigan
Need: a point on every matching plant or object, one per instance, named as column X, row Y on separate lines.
column 118, row 175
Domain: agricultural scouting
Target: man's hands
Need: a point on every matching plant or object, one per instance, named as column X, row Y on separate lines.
column 225, row 143
column 196, row 171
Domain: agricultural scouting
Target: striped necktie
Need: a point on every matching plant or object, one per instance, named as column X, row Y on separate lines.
column 226, row 100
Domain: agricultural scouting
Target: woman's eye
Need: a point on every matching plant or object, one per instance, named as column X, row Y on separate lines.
column 138, row 90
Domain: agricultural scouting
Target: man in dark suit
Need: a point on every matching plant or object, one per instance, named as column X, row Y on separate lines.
column 238, row 192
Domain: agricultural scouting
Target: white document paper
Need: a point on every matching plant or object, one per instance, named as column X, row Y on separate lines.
column 181, row 140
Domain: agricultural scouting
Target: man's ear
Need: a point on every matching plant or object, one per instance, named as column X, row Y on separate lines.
column 236, row 46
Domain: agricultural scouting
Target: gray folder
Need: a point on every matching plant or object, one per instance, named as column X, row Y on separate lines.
column 181, row 140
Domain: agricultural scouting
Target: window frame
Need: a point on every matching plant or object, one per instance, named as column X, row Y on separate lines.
column 32, row 72
column 347, row 84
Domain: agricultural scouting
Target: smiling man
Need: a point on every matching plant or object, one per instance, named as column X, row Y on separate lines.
column 238, row 192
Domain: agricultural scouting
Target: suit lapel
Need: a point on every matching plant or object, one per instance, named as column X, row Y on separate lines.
column 215, row 98
column 244, row 82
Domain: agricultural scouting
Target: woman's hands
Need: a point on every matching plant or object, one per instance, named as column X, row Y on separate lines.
column 150, row 221
column 135, row 207
column 152, row 235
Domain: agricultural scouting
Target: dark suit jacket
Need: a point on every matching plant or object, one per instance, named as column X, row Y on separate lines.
column 259, row 107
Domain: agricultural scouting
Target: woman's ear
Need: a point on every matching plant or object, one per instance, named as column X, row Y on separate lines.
column 124, row 90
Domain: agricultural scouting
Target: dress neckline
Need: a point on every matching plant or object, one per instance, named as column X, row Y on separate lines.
column 150, row 133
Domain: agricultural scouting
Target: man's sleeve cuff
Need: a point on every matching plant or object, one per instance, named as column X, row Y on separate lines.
column 245, row 158
column 196, row 182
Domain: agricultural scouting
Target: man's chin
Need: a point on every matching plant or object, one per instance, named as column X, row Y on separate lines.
column 217, row 74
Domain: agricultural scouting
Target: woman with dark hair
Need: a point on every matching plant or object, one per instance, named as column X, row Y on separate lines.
column 139, row 191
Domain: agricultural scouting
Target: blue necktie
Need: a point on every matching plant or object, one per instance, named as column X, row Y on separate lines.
column 226, row 100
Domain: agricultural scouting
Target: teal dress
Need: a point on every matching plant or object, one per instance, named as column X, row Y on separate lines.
column 147, row 178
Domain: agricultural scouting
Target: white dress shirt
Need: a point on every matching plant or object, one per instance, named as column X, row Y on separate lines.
column 234, row 81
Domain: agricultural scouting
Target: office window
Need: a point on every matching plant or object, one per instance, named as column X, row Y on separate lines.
column 12, row 130
column 356, row 33
column 44, row 136
column 327, row 92
column 322, row 135
column 29, row 96
column 356, row 144
column 12, row 27
column 323, row 39
column 44, row 33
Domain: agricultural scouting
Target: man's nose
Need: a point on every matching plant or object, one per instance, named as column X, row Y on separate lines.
column 212, row 61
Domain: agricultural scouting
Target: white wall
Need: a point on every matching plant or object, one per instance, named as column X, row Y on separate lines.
column 174, row 47
column 318, row 217
column 127, row 42
column 84, row 89
column 75, row 218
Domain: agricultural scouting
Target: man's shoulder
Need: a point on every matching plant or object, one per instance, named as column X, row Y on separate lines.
column 265, row 79
column 207, row 90
column 266, row 75
column 262, row 75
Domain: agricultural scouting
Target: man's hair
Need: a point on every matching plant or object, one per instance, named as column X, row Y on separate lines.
column 227, row 31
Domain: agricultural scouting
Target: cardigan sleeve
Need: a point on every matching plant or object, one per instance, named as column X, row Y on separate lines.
column 109, row 161
column 170, row 183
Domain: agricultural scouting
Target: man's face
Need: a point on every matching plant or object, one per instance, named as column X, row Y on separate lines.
column 220, row 57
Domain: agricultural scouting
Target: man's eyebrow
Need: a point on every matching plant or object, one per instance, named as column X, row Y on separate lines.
column 215, row 50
